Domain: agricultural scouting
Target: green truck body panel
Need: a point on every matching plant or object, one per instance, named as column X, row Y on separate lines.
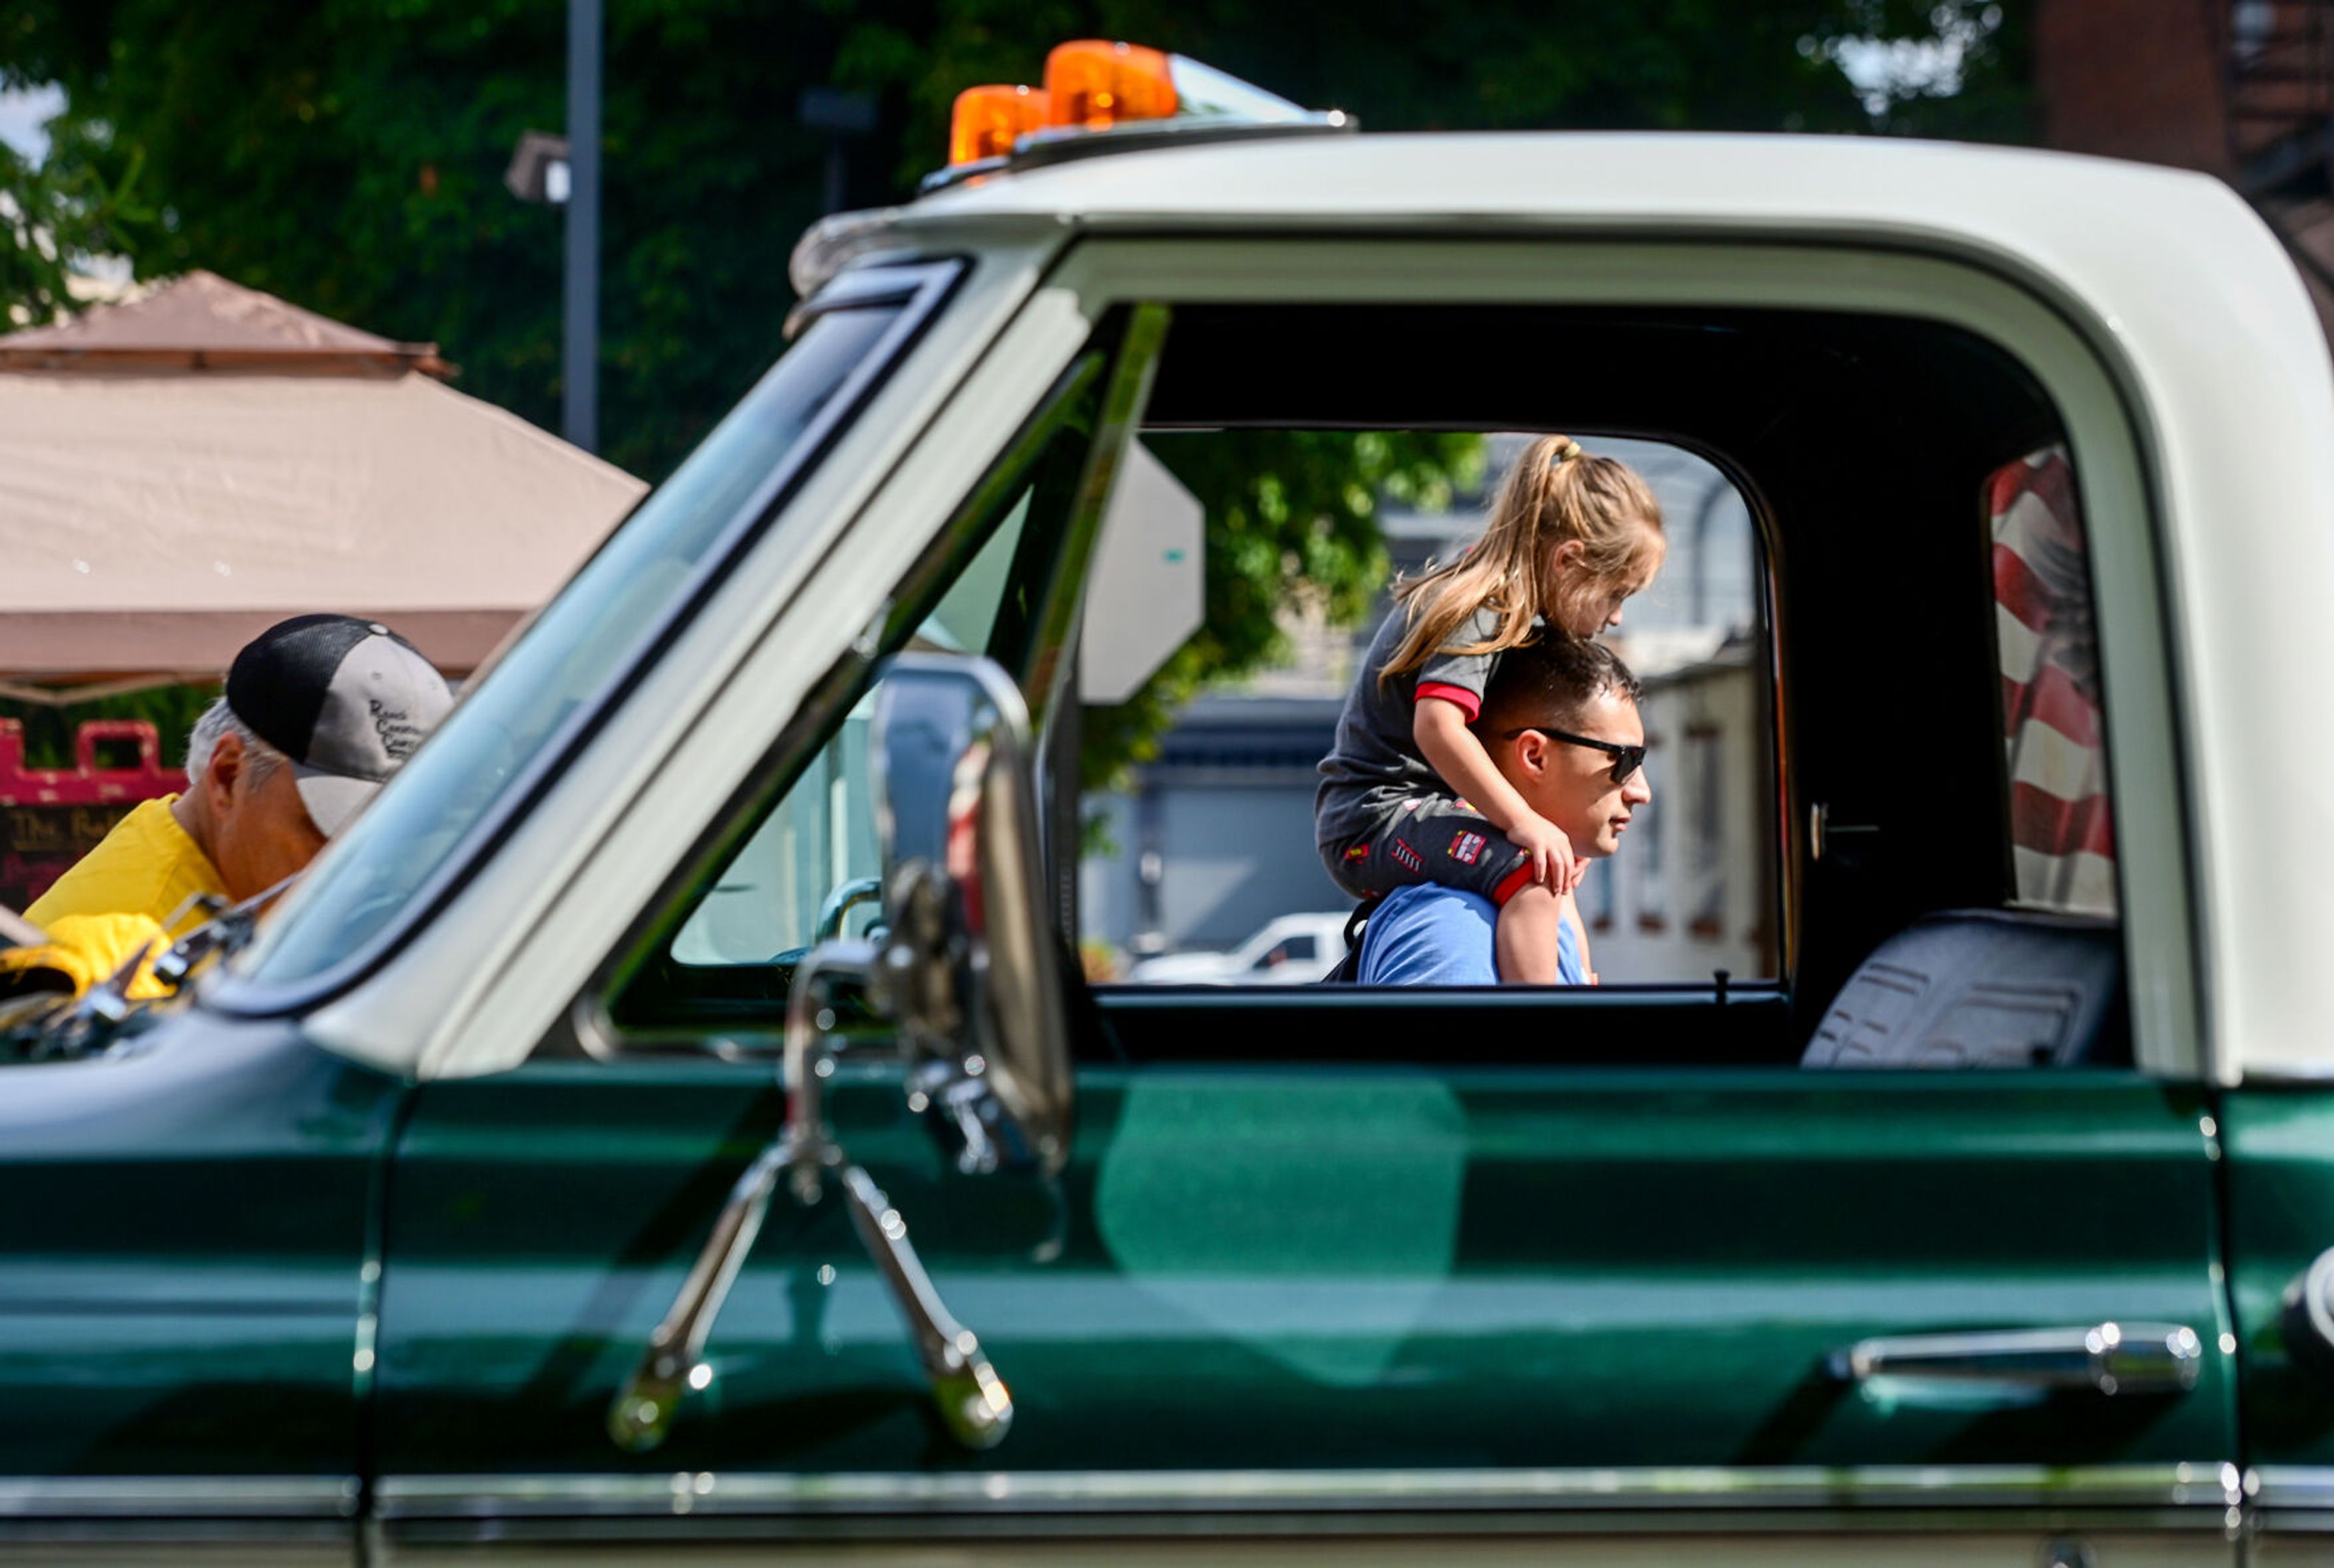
column 183, row 1237
column 1250, row 1267
column 2279, row 1144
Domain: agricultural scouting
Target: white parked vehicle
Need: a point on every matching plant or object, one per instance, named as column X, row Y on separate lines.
column 1288, row 950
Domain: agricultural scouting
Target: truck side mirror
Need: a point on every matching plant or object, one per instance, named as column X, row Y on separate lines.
column 958, row 821
column 964, row 967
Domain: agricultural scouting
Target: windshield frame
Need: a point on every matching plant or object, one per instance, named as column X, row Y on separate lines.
column 920, row 287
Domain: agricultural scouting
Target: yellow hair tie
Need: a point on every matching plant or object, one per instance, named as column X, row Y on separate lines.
column 1565, row 453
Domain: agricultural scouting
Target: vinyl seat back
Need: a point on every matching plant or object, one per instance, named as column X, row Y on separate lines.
column 1982, row 988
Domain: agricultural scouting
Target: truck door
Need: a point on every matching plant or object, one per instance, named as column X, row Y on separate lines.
column 185, row 1313
column 1355, row 1272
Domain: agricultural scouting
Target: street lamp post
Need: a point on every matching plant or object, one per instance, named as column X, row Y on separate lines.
column 844, row 115
column 579, row 383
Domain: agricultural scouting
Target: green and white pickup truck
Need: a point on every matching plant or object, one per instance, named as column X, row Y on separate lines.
column 469, row 1211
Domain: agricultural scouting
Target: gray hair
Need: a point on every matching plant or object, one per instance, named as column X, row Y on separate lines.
column 219, row 721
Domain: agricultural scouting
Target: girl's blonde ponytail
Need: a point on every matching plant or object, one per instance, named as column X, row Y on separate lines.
column 1553, row 493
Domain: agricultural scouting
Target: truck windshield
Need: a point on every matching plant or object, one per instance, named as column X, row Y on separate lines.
column 518, row 719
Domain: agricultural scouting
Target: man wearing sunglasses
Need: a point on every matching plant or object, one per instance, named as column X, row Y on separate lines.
column 1562, row 723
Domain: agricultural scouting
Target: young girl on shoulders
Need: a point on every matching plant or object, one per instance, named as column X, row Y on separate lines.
column 1409, row 794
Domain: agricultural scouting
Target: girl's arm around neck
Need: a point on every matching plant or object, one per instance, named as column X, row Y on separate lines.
column 1452, row 750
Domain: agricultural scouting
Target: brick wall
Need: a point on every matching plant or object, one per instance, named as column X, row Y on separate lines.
column 2148, row 80
column 2136, row 79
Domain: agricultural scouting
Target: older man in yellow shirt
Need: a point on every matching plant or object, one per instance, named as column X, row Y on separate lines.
column 319, row 711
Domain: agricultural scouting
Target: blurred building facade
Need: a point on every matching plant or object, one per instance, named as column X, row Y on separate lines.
column 2242, row 89
column 1693, row 889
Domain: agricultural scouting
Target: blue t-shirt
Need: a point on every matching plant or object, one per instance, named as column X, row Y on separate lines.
column 1428, row 935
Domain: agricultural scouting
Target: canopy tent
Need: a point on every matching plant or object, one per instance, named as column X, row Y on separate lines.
column 179, row 473
column 202, row 321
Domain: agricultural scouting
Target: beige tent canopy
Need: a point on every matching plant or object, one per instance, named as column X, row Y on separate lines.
column 179, row 473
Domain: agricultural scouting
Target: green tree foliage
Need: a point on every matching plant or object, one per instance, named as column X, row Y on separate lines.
column 1961, row 67
column 76, row 202
column 1749, row 66
column 348, row 154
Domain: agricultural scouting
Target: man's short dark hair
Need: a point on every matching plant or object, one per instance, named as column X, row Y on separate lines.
column 1552, row 681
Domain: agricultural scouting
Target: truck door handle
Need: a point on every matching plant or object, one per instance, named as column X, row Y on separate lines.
column 2109, row 1358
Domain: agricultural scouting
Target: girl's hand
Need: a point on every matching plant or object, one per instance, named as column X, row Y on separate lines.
column 1552, row 853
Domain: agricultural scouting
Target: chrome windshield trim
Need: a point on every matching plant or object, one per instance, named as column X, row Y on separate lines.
column 119, row 1497
column 2306, row 1487
column 2201, row 1484
column 2307, row 1074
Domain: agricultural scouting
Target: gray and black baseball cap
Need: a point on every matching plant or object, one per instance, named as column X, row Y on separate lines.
column 347, row 700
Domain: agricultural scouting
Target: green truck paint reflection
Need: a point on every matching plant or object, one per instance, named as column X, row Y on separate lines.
column 1377, row 1270
column 1381, row 1270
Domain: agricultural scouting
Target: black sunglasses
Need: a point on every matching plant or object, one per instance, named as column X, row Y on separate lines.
column 1627, row 759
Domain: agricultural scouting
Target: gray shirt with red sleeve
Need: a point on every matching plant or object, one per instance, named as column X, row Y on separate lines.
column 1375, row 765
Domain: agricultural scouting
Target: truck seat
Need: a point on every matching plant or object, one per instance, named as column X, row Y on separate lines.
column 1982, row 988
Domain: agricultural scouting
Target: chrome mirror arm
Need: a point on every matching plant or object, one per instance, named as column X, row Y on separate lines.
column 810, row 1056
column 963, row 971
column 972, row 1399
column 642, row 1412
column 965, row 1104
column 910, row 979
column 840, row 903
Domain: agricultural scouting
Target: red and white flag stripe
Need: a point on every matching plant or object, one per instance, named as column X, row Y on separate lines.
column 2062, row 832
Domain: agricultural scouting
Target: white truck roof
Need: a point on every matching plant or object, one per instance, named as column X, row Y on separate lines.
column 2186, row 297
column 1748, row 185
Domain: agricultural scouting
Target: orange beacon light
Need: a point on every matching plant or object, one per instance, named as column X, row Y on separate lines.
column 1092, row 84
column 988, row 119
column 1102, row 97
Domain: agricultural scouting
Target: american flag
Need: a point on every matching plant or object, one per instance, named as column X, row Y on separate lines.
column 2062, row 834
